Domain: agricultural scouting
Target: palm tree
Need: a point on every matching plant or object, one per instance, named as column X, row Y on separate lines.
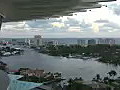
column 98, row 77
column 112, row 73
column 106, row 79
column 70, row 81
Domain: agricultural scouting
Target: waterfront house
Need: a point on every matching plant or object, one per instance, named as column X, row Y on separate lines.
column 30, row 72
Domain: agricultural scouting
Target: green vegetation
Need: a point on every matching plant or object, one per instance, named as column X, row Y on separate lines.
column 106, row 53
column 109, row 80
column 78, row 86
column 106, row 83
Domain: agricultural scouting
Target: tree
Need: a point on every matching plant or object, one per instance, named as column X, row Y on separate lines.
column 112, row 73
column 98, row 77
column 106, row 79
column 70, row 81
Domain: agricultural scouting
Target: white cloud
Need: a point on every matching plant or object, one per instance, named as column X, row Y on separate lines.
column 74, row 29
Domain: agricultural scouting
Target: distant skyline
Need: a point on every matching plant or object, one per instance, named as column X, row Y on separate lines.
column 101, row 22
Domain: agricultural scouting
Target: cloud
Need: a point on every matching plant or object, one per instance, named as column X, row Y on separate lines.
column 19, row 26
column 112, row 25
column 101, row 21
column 84, row 25
column 57, row 24
column 96, row 23
column 108, row 26
column 95, row 27
column 115, row 7
column 117, row 11
column 74, row 29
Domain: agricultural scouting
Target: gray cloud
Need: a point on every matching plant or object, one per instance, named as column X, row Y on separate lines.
column 108, row 26
column 112, row 25
column 85, row 25
column 45, row 27
column 101, row 21
column 117, row 11
column 72, row 22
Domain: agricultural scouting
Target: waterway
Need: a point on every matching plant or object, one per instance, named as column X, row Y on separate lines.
column 70, row 68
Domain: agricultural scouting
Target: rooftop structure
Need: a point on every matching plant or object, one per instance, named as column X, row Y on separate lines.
column 20, row 85
column 42, row 87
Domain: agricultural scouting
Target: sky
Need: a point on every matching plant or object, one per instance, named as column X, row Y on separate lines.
column 100, row 22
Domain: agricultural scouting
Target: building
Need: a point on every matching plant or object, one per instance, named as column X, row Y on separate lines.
column 30, row 41
column 4, row 42
column 91, row 42
column 37, row 40
column 18, row 41
column 81, row 42
column 29, row 72
column 52, row 86
column 101, row 41
column 106, row 41
column 27, row 41
column 52, row 42
column 43, row 87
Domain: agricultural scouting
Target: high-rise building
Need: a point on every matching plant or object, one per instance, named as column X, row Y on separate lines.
column 91, row 42
column 81, row 42
column 37, row 40
column 106, row 41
